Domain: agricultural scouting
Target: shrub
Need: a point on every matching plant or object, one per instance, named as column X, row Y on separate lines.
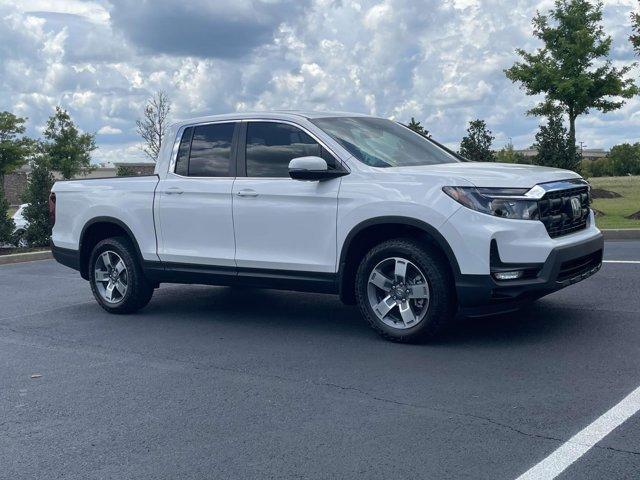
column 6, row 223
column 625, row 159
column 38, row 232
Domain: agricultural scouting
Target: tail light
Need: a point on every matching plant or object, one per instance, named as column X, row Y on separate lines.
column 52, row 208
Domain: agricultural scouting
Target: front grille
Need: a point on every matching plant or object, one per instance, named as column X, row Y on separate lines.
column 556, row 212
column 579, row 268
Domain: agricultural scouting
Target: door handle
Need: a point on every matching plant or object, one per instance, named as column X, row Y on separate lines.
column 173, row 191
column 247, row 192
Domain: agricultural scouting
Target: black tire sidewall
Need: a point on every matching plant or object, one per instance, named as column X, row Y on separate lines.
column 441, row 302
column 137, row 286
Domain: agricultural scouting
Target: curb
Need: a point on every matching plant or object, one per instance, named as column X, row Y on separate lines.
column 25, row 257
column 622, row 234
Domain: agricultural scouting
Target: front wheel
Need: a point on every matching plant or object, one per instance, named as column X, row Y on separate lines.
column 405, row 291
column 116, row 277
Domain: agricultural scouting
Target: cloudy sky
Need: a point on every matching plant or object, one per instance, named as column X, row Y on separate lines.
column 440, row 61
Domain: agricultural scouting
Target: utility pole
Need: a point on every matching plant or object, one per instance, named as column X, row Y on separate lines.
column 582, row 145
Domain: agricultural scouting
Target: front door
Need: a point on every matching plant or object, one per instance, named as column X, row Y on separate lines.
column 281, row 223
column 194, row 208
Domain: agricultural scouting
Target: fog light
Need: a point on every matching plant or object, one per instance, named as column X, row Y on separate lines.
column 514, row 275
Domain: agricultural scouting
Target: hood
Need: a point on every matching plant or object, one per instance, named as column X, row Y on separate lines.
column 504, row 175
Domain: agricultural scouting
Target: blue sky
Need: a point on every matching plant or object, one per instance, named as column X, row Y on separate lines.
column 439, row 61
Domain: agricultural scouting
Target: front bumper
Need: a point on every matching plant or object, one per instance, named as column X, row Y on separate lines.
column 480, row 295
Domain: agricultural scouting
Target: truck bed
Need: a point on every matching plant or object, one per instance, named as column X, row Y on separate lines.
column 129, row 200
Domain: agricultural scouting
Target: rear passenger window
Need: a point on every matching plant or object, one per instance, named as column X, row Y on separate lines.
column 211, row 150
column 271, row 146
column 205, row 151
column 182, row 162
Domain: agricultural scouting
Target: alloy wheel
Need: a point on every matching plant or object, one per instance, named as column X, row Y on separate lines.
column 111, row 277
column 398, row 293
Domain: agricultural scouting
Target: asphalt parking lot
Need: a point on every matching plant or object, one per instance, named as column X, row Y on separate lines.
column 211, row 382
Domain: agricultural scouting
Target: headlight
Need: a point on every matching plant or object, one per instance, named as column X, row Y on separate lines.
column 499, row 202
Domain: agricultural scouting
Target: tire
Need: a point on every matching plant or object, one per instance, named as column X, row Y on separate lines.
column 428, row 290
column 132, row 291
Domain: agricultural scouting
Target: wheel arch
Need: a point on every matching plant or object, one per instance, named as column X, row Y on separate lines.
column 370, row 232
column 97, row 229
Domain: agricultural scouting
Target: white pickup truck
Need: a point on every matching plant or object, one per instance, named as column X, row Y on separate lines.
column 337, row 203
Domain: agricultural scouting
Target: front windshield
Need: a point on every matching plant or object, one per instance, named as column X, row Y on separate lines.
column 383, row 143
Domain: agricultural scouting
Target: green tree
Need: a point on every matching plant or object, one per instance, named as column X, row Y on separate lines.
column 635, row 38
column 554, row 145
column 509, row 155
column 572, row 68
column 15, row 148
column 625, row 159
column 418, row 128
column 476, row 145
column 599, row 167
column 69, row 151
column 37, row 196
column 7, row 226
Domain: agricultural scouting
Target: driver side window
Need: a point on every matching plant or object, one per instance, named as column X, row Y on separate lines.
column 271, row 146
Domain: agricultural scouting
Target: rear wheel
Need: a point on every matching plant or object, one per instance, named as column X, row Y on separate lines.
column 116, row 277
column 405, row 291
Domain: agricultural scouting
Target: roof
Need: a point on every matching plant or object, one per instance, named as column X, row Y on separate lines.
column 271, row 115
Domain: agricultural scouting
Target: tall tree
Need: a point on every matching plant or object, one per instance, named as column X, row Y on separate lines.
column 572, row 68
column 15, row 148
column 152, row 126
column 418, row 128
column 476, row 145
column 554, row 145
column 635, row 38
column 69, row 151
column 37, row 196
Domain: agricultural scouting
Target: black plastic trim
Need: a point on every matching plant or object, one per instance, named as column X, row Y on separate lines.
column 169, row 272
column 114, row 221
column 66, row 256
column 433, row 232
column 480, row 295
column 317, row 175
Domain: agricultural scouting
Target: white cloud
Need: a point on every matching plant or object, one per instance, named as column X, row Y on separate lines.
column 109, row 130
column 439, row 61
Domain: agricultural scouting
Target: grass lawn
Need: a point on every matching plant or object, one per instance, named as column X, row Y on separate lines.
column 615, row 209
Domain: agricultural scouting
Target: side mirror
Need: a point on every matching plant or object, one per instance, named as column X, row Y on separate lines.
column 312, row 168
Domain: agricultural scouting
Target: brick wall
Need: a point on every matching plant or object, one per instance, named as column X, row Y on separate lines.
column 14, row 184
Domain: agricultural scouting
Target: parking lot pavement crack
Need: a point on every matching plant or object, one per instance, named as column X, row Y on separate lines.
column 444, row 410
column 618, row 450
column 470, row 415
column 158, row 360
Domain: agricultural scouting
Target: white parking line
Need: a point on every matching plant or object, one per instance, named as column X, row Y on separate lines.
column 621, row 261
column 583, row 441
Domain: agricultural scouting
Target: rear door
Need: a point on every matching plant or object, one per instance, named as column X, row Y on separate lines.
column 281, row 223
column 194, row 208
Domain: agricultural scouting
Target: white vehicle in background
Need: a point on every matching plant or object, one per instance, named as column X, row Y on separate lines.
column 21, row 225
column 338, row 203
